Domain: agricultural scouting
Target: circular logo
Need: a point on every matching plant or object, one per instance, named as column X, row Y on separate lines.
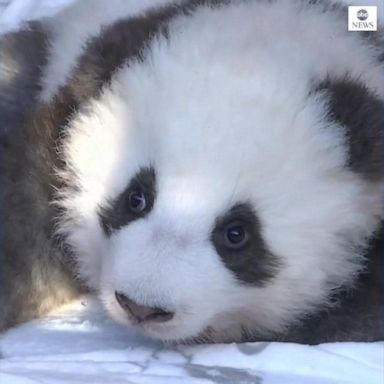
column 362, row 14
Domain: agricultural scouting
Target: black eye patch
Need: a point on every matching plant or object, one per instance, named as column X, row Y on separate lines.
column 135, row 202
column 238, row 240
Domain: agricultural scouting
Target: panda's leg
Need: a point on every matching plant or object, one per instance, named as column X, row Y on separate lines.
column 33, row 277
column 23, row 55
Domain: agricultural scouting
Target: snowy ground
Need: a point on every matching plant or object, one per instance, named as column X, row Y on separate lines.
column 79, row 344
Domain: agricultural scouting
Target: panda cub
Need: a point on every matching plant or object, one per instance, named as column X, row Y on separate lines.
column 211, row 169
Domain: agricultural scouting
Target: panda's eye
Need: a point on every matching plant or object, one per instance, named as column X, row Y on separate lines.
column 137, row 202
column 236, row 236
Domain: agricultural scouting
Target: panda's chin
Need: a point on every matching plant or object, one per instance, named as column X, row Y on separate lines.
column 168, row 333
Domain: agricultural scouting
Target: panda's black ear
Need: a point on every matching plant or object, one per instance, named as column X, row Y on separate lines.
column 360, row 112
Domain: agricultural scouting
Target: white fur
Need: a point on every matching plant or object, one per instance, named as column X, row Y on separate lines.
column 223, row 121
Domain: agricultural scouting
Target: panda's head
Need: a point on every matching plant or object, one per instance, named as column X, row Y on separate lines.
column 212, row 194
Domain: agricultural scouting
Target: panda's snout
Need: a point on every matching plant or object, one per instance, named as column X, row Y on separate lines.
column 142, row 313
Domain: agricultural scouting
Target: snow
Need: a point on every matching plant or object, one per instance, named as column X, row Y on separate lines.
column 80, row 344
column 13, row 12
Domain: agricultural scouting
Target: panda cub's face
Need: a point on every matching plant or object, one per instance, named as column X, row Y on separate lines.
column 212, row 196
column 180, row 254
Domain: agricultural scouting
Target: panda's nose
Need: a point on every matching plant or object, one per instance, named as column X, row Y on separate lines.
column 142, row 313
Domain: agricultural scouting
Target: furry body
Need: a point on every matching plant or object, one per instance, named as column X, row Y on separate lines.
column 217, row 120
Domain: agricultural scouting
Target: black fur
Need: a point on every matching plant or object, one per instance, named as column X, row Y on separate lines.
column 123, row 41
column 22, row 58
column 118, row 44
column 357, row 313
column 117, row 214
column 253, row 264
column 361, row 113
column 32, row 275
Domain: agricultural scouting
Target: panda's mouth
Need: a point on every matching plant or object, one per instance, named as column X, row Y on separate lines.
column 176, row 326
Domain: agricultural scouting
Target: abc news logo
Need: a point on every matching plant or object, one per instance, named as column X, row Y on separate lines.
column 362, row 18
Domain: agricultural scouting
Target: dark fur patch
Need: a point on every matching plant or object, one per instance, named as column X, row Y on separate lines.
column 118, row 44
column 357, row 313
column 33, row 275
column 22, row 57
column 361, row 113
column 104, row 54
column 116, row 215
column 254, row 264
